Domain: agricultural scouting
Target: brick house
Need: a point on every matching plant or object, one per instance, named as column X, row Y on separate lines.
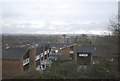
column 97, row 52
column 83, row 58
column 68, row 39
column 67, row 51
column 42, row 54
column 19, row 59
column 16, row 60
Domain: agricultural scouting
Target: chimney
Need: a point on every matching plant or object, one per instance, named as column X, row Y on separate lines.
column 32, row 56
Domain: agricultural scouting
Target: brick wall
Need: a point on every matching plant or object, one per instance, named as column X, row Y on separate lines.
column 32, row 56
column 11, row 68
column 71, row 40
column 65, row 53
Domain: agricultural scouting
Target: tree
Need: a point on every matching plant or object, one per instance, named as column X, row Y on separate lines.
column 115, row 26
column 105, row 69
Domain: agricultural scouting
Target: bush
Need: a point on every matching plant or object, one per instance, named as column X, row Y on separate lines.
column 65, row 69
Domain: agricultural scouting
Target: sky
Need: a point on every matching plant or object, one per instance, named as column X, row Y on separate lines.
column 56, row 16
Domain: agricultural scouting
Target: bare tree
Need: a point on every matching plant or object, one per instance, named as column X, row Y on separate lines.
column 114, row 26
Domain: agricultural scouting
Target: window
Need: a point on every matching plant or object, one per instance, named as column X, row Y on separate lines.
column 25, row 61
column 56, row 51
column 84, row 55
column 37, row 57
column 41, row 54
column 60, row 48
column 46, row 52
column 45, row 56
column 41, row 58
column 71, row 51
column 38, row 67
column 43, row 66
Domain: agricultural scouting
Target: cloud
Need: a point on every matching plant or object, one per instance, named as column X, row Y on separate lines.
column 58, row 11
column 53, row 27
column 71, row 16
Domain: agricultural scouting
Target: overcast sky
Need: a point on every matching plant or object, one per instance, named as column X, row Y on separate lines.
column 57, row 16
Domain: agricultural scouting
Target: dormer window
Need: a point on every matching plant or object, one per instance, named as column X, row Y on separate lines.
column 83, row 55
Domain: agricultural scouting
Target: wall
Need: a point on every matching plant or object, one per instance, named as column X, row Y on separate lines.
column 32, row 56
column 65, row 53
column 11, row 68
column 83, row 59
column 71, row 40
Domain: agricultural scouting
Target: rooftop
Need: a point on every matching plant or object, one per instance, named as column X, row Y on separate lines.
column 59, row 45
column 13, row 52
column 39, row 48
column 98, row 50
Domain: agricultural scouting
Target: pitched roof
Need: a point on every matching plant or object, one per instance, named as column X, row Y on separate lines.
column 59, row 45
column 39, row 48
column 13, row 52
column 98, row 50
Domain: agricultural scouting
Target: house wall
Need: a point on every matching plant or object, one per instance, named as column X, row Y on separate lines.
column 65, row 53
column 61, row 40
column 71, row 40
column 72, row 52
column 11, row 68
column 82, row 59
column 93, row 40
column 32, row 57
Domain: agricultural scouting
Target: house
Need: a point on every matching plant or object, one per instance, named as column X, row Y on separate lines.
column 19, row 59
column 68, row 52
column 16, row 60
column 63, row 39
column 54, row 56
column 42, row 54
column 97, row 52
column 56, row 50
column 68, row 39
column 65, row 51
column 83, row 58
